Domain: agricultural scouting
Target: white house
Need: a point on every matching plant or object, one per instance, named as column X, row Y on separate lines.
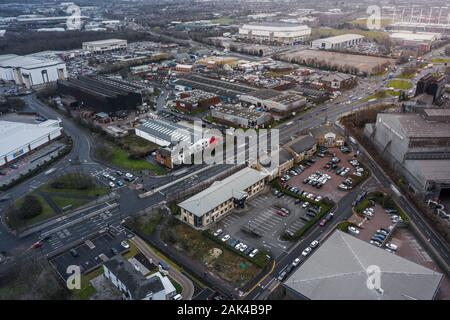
column 131, row 283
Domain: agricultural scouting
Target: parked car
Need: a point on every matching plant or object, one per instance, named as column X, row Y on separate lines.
column 305, row 205
column 392, row 246
column 281, row 276
column 353, row 230
column 306, row 251
column 218, row 232
column 74, row 253
column 125, row 244
column 375, row 242
column 111, row 184
column 296, row 262
column 114, row 251
column 314, row 244
column 225, row 237
column 37, row 244
column 243, row 247
column 253, row 253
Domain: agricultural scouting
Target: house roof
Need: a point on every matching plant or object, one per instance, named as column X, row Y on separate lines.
column 169, row 132
column 221, row 191
column 338, row 270
column 135, row 282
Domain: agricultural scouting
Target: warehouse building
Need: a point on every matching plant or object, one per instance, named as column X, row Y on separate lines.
column 337, row 42
column 18, row 139
column 415, row 40
column 278, row 33
column 31, row 71
column 213, row 203
column 238, row 116
column 417, row 146
column 104, row 94
column 338, row 270
column 196, row 100
column 101, row 46
column 338, row 81
column 279, row 104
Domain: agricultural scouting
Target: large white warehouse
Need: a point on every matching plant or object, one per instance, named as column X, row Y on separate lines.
column 105, row 45
column 31, row 71
column 18, row 138
column 337, row 42
column 281, row 33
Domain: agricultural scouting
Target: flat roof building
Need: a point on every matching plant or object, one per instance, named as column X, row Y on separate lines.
column 416, row 146
column 421, row 40
column 280, row 104
column 105, row 45
column 17, row 138
column 338, row 42
column 278, row 33
column 221, row 197
column 338, row 270
column 31, row 71
column 239, row 116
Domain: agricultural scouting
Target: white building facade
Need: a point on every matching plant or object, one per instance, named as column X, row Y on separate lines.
column 337, row 42
column 105, row 45
column 281, row 33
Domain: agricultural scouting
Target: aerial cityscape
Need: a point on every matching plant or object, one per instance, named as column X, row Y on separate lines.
column 233, row 150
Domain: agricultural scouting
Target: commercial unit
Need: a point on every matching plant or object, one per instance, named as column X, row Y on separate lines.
column 327, row 136
column 105, row 45
column 278, row 33
column 415, row 40
column 196, row 100
column 132, row 283
column 238, row 116
column 221, row 197
column 431, row 85
column 31, row 71
column 417, row 146
column 18, row 139
column 280, row 104
column 338, row 269
column 337, row 42
column 104, row 94
column 338, row 81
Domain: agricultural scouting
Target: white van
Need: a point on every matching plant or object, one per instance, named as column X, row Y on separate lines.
column 177, row 297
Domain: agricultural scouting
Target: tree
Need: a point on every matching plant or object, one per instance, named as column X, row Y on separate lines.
column 30, row 208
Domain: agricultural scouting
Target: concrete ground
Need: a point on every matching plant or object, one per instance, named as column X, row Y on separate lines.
column 330, row 189
column 260, row 215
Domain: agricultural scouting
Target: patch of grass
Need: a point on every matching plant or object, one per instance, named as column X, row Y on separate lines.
column 400, row 84
column 148, row 227
column 87, row 290
column 131, row 252
column 47, row 211
column 177, row 286
column 223, row 20
column 343, row 226
column 120, row 158
column 362, row 23
column 378, row 36
column 74, row 203
column 440, row 60
column 137, row 144
column 229, row 265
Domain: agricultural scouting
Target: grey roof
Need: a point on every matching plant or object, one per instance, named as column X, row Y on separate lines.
column 238, row 111
column 284, row 156
column 341, row 38
column 302, row 144
column 221, row 191
column 134, row 280
column 170, row 132
column 338, row 76
column 430, row 170
column 414, row 125
column 337, row 270
column 26, row 62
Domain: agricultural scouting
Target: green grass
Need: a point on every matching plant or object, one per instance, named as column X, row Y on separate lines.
column 94, row 192
column 120, row 158
column 343, row 226
column 223, row 20
column 47, row 211
column 87, row 290
column 317, row 33
column 177, row 286
column 440, row 60
column 399, row 84
column 137, row 144
column 363, row 22
column 131, row 252
column 74, row 203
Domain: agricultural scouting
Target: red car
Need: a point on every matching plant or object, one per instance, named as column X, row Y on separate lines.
column 282, row 213
column 37, row 245
column 323, row 222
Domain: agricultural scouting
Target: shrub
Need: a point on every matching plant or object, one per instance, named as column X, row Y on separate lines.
column 30, row 208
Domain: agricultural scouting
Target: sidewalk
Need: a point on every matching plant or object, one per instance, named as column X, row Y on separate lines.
column 186, row 283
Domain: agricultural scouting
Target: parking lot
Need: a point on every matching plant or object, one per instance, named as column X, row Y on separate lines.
column 86, row 255
column 322, row 168
column 113, row 179
column 261, row 223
